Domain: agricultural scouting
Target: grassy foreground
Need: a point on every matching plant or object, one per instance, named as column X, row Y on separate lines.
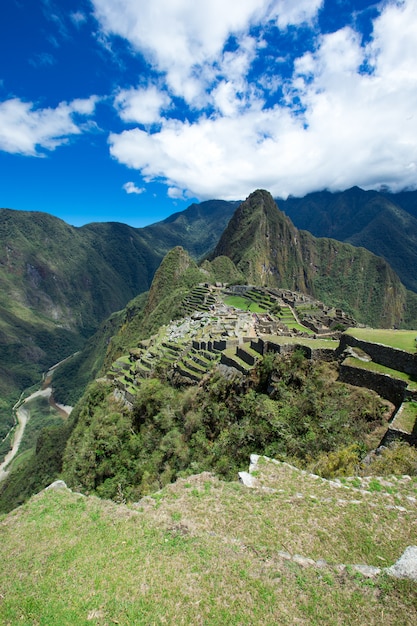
column 207, row 552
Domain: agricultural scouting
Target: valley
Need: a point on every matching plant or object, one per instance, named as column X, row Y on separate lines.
column 23, row 412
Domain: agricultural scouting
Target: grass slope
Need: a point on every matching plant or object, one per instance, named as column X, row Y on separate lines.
column 206, row 552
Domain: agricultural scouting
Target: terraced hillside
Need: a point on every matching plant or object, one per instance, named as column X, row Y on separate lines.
column 223, row 331
column 214, row 332
column 386, row 361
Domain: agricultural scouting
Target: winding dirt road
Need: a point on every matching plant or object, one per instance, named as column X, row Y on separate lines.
column 22, row 416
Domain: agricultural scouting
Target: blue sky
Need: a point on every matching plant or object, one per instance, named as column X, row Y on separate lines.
column 130, row 110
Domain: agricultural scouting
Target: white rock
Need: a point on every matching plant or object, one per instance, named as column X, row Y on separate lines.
column 57, row 484
column 406, row 566
column 247, row 479
column 369, row 571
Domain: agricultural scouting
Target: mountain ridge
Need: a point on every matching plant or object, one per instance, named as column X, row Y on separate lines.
column 383, row 223
column 59, row 282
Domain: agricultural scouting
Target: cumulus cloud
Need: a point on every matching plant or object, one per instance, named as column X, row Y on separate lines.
column 347, row 116
column 176, row 194
column 130, row 187
column 142, row 105
column 27, row 130
column 183, row 39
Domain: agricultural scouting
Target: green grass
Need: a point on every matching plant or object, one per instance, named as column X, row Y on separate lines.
column 331, row 344
column 406, row 417
column 300, row 328
column 400, row 339
column 381, row 369
column 231, row 353
column 239, row 302
column 206, row 552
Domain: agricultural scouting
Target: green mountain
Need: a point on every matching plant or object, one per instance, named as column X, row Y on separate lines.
column 59, row 283
column 197, row 229
column 385, row 224
column 269, row 250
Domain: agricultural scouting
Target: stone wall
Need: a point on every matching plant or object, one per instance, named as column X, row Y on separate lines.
column 319, row 354
column 245, row 356
column 324, row 354
column 392, row 389
column 230, row 362
column 258, row 346
column 398, row 435
column 390, row 357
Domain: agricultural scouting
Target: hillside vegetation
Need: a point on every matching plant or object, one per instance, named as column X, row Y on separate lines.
column 59, row 283
column 215, row 426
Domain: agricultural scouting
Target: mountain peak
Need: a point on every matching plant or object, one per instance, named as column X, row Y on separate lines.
column 259, row 201
column 262, row 242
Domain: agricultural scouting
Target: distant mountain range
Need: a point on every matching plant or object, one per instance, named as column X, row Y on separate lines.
column 384, row 223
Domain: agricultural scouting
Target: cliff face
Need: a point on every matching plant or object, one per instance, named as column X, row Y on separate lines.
column 269, row 250
column 264, row 244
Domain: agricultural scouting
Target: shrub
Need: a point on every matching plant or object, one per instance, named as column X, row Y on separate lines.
column 397, row 458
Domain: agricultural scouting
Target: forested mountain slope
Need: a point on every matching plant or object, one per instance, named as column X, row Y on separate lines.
column 58, row 282
column 384, row 223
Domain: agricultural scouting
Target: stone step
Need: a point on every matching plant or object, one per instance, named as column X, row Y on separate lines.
column 193, row 366
column 183, row 370
column 172, row 346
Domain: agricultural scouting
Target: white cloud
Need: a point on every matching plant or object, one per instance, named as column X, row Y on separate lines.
column 26, row 130
column 141, row 105
column 176, row 194
column 184, row 38
column 354, row 126
column 287, row 12
column 130, row 187
column 78, row 18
